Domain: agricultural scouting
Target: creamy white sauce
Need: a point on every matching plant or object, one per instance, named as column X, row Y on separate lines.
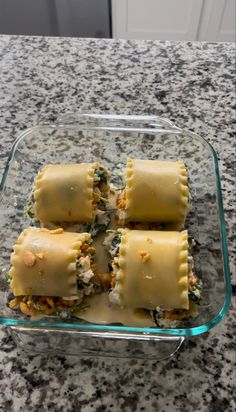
column 101, row 257
column 101, row 311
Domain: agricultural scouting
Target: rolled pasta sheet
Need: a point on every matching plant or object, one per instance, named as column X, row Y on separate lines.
column 69, row 192
column 150, row 270
column 155, row 191
column 44, row 262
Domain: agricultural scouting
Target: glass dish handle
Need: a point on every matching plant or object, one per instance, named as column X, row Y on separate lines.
column 118, row 122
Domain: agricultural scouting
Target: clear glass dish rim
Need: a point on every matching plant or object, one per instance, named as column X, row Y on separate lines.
column 184, row 332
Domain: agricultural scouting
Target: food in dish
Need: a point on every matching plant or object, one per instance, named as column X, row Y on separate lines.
column 151, row 279
column 65, row 194
column 153, row 270
column 51, row 271
column 155, row 191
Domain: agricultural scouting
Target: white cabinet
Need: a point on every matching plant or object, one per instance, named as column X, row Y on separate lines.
column 210, row 20
column 156, row 19
column 218, row 21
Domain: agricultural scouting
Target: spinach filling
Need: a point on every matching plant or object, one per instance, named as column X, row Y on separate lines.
column 190, row 197
column 87, row 281
column 99, row 224
column 102, row 204
column 115, row 243
column 195, row 292
column 7, row 278
column 69, row 312
column 112, row 242
column 30, row 207
column 101, row 174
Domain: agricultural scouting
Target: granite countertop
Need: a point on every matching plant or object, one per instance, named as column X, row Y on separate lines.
column 193, row 85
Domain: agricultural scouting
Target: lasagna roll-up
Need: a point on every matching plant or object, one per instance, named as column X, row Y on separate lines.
column 69, row 193
column 155, row 191
column 150, row 269
column 51, row 263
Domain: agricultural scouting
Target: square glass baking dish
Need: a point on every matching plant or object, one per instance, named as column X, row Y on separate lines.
column 110, row 139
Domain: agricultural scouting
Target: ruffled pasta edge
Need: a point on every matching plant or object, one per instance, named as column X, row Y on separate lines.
column 183, row 269
column 184, row 194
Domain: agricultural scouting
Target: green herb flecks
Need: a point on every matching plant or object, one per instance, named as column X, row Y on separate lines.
column 157, row 315
column 78, row 265
column 97, row 288
column 80, row 284
column 115, row 243
column 34, row 299
column 30, row 207
column 101, row 174
column 102, row 203
column 95, row 227
column 7, row 277
column 67, row 313
column 195, row 292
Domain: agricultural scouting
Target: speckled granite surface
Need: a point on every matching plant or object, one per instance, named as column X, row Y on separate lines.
column 191, row 84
